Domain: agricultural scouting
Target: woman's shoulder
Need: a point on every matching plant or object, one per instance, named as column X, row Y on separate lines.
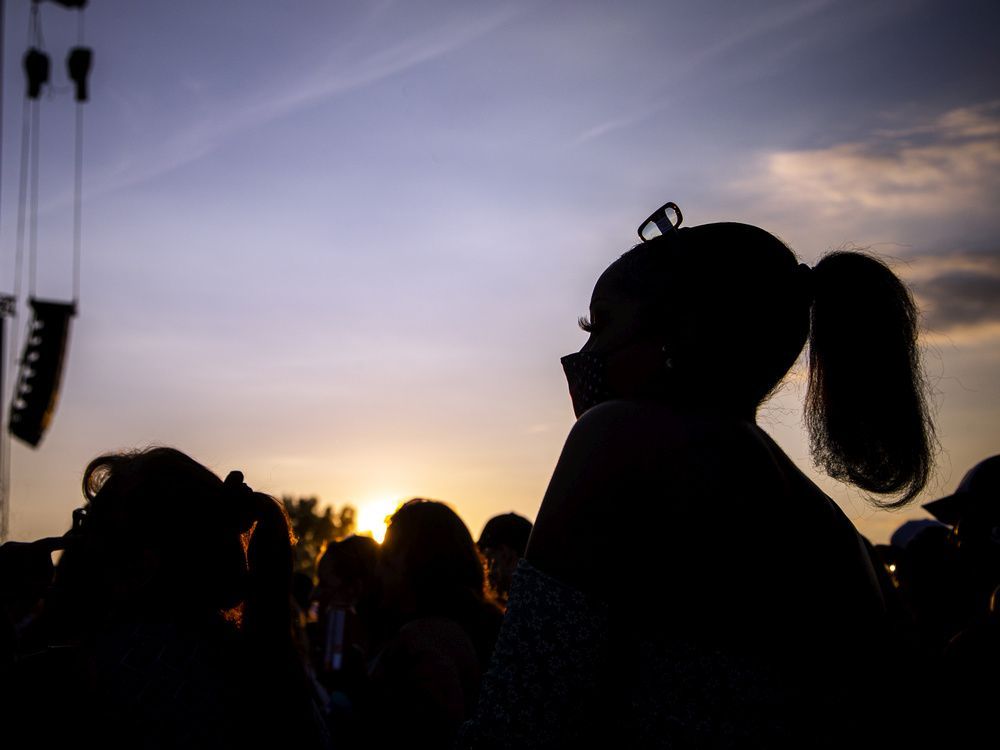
column 622, row 458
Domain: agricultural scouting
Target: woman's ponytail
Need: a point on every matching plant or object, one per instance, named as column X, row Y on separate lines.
column 268, row 615
column 866, row 407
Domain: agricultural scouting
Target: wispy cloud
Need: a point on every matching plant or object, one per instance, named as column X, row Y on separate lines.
column 980, row 121
column 616, row 123
column 760, row 25
column 336, row 75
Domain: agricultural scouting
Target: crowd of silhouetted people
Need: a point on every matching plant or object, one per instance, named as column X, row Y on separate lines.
column 742, row 609
column 173, row 617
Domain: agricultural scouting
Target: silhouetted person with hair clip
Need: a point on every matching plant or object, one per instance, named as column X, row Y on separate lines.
column 743, row 609
column 169, row 622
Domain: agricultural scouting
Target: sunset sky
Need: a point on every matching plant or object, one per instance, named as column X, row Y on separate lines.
column 341, row 246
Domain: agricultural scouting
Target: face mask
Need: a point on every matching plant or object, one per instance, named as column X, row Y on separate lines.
column 587, row 375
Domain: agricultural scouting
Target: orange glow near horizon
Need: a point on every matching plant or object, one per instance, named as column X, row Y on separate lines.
column 373, row 517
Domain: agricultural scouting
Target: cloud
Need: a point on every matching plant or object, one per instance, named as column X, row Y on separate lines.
column 980, row 121
column 932, row 183
column 939, row 168
column 959, row 294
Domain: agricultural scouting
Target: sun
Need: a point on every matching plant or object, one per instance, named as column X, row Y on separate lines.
column 373, row 517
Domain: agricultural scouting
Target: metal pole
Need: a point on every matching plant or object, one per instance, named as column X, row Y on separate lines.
column 7, row 304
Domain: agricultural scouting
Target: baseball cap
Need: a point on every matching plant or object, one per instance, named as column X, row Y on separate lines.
column 978, row 488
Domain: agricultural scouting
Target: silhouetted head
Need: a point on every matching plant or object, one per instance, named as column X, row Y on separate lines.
column 430, row 567
column 428, row 559
column 503, row 542
column 712, row 317
column 974, row 511
column 909, row 530
column 345, row 571
column 977, row 495
column 725, row 305
column 165, row 535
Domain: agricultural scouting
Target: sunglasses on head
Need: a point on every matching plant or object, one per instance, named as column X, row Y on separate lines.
column 663, row 220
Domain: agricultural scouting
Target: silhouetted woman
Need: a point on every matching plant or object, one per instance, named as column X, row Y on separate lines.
column 425, row 680
column 169, row 622
column 738, row 606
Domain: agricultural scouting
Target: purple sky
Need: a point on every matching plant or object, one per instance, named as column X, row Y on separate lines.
column 342, row 246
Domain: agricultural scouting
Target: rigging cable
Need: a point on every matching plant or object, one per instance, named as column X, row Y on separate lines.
column 22, row 195
column 78, row 65
column 36, row 65
column 33, row 198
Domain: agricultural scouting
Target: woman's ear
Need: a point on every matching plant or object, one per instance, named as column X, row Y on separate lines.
column 687, row 335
